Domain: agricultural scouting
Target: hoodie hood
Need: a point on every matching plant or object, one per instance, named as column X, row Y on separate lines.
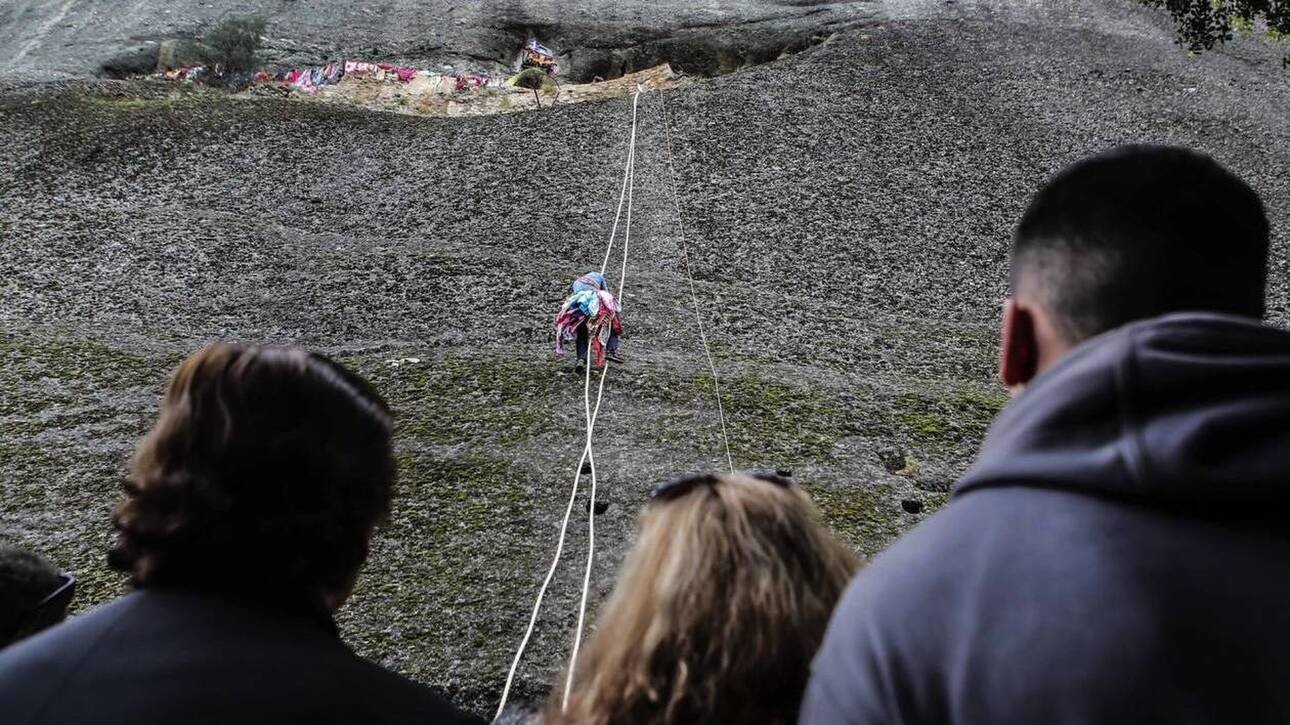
column 1189, row 409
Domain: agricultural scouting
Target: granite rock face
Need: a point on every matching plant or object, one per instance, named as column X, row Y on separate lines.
column 847, row 212
column 82, row 37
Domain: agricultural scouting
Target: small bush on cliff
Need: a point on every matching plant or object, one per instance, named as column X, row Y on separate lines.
column 1203, row 24
column 234, row 44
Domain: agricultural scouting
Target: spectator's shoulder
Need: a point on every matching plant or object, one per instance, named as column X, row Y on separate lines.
column 887, row 636
column 402, row 699
column 67, row 642
column 969, row 548
column 920, row 568
column 31, row 670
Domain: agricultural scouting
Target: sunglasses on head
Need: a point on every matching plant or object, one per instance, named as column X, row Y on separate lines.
column 676, row 487
column 50, row 610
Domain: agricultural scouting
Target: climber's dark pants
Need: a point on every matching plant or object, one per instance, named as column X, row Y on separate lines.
column 611, row 348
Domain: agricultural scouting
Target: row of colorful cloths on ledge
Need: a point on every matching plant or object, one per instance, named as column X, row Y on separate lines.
column 311, row 79
column 195, row 73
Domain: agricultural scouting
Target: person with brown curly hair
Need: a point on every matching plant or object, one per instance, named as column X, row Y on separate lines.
column 719, row 608
column 245, row 521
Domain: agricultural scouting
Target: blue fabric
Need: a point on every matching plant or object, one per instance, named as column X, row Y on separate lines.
column 586, row 301
column 1118, row 554
column 537, row 47
column 590, row 281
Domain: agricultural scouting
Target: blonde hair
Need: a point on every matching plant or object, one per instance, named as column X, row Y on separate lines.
column 717, row 613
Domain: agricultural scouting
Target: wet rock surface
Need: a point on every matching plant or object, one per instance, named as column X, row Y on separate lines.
column 847, row 209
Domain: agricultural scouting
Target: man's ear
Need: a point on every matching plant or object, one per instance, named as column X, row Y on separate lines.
column 1018, row 346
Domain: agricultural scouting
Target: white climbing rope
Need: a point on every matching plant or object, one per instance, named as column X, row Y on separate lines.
column 689, row 273
column 591, row 506
column 588, row 454
column 628, row 170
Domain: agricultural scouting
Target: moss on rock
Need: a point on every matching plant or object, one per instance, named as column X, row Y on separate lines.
column 950, row 422
column 777, row 423
column 865, row 518
column 459, row 399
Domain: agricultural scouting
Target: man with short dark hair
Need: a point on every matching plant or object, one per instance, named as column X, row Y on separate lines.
column 1119, row 552
column 33, row 594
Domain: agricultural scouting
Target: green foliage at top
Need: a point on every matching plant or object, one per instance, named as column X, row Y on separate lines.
column 234, row 43
column 1203, row 24
column 533, row 79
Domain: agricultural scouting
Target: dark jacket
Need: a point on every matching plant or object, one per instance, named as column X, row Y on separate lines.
column 1120, row 552
column 172, row 656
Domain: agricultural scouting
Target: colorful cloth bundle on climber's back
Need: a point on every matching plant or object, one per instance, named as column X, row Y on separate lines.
column 593, row 305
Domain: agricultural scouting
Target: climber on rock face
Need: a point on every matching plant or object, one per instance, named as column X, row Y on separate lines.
column 590, row 316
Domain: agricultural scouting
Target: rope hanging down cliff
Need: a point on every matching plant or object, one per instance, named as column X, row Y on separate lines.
column 689, row 274
column 588, row 454
column 591, row 412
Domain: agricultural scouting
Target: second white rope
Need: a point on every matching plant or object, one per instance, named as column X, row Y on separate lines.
column 689, row 273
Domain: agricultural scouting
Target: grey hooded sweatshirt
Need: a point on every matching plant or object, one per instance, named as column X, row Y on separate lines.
column 1120, row 552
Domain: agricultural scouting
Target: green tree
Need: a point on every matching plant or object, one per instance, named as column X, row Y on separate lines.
column 234, row 44
column 536, row 79
column 1203, row 24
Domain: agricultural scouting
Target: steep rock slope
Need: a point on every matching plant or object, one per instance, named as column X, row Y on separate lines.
column 848, row 212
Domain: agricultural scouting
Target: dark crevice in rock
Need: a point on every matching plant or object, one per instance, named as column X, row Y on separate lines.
column 693, row 55
column 693, row 50
column 587, row 51
column 139, row 61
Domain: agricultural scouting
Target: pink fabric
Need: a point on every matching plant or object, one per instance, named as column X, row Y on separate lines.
column 599, row 328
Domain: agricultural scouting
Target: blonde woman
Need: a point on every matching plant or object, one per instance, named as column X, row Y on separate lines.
column 718, row 611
